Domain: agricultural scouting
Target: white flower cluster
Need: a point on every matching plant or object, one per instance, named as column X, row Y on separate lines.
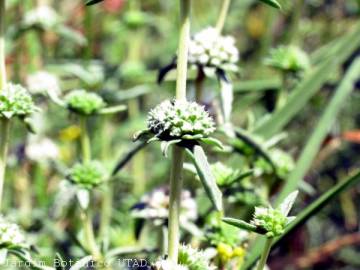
column 210, row 49
column 43, row 82
column 10, row 234
column 168, row 265
column 155, row 206
column 41, row 149
column 43, row 16
column 179, row 118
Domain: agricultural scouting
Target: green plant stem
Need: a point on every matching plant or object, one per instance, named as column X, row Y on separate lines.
column 175, row 201
column 4, row 144
column 85, row 140
column 2, row 46
column 90, row 235
column 265, row 254
column 223, row 14
column 177, row 152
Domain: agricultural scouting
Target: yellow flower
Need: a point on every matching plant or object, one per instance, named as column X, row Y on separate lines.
column 225, row 252
column 70, row 133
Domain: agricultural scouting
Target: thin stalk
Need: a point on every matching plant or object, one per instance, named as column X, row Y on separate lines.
column 4, row 123
column 90, row 235
column 177, row 152
column 223, row 14
column 265, row 254
column 85, row 140
column 282, row 93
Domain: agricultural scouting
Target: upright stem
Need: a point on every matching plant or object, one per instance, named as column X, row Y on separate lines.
column 85, row 140
column 177, row 152
column 265, row 254
column 223, row 14
column 2, row 46
column 4, row 123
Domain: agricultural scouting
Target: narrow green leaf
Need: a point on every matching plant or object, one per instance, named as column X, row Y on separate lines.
column 81, row 263
column 204, row 171
column 240, row 224
column 306, row 214
column 113, row 109
column 213, row 142
column 257, row 85
column 309, row 86
column 317, row 137
column 272, row 3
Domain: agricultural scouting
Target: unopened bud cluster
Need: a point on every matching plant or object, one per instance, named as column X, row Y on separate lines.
column 87, row 175
column 83, row 102
column 15, row 100
column 272, row 221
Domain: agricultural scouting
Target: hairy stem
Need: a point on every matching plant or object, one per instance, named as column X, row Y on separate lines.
column 223, row 14
column 175, row 202
column 177, row 152
column 265, row 254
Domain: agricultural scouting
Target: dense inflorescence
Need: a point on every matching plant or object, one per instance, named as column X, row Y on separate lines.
column 209, row 48
column 273, row 221
column 288, row 58
column 10, row 234
column 15, row 100
column 87, row 175
column 176, row 119
column 83, row 102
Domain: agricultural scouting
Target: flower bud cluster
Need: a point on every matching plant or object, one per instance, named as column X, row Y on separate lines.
column 272, row 221
column 87, row 175
column 83, row 102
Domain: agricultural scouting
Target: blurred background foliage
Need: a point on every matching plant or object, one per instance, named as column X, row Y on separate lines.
column 116, row 48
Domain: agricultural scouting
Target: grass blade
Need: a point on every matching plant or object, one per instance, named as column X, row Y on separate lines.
column 308, row 88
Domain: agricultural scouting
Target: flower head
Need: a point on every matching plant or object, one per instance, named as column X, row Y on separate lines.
column 42, row 16
column 288, row 58
column 87, row 175
column 83, row 102
column 41, row 149
column 10, row 234
column 42, row 82
column 194, row 259
column 15, row 100
column 176, row 119
column 210, row 49
column 274, row 221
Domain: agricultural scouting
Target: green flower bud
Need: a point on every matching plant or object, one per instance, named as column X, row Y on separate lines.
column 10, row 234
column 83, row 102
column 272, row 221
column 175, row 119
column 223, row 174
column 15, row 100
column 87, row 175
column 288, row 58
column 135, row 19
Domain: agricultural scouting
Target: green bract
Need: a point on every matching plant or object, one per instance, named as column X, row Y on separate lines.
column 15, row 100
column 288, row 58
column 87, row 175
column 83, row 102
column 10, row 234
column 180, row 120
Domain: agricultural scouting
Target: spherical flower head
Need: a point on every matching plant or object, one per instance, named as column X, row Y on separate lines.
column 194, row 259
column 10, row 234
column 272, row 221
column 155, row 206
column 42, row 82
column 176, row 119
column 288, row 58
column 210, row 49
column 43, row 16
column 15, row 100
column 87, row 175
column 83, row 102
